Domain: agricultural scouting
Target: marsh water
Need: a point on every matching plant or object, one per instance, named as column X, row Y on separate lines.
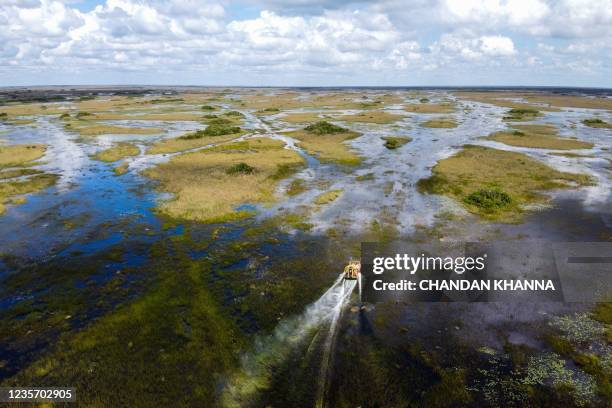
column 63, row 247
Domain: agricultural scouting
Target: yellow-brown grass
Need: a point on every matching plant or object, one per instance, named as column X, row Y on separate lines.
column 168, row 117
column 290, row 100
column 303, row 117
column 328, row 148
column 430, row 107
column 327, row 197
column 440, row 123
column 521, row 177
column 538, row 100
column 100, row 129
column 27, row 109
column 117, row 152
column 205, row 191
column 9, row 190
column 538, row 137
column 178, row 145
column 20, row 154
column 379, row 117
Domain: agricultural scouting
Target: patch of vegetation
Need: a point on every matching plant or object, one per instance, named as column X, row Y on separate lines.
column 219, row 130
column 301, row 117
column 117, row 152
column 285, row 170
column 178, row 324
column 234, row 114
column 13, row 173
column 218, row 121
column 521, row 114
column 538, row 137
column 430, row 108
column 240, row 168
column 597, row 123
column 20, row 154
column 450, row 391
column 328, row 147
column 64, row 116
column 570, row 154
column 121, row 169
column 3, row 115
column 493, row 171
column 81, row 115
column 93, row 128
column 327, row 197
column 440, row 123
column 392, row 143
column 296, row 187
column 295, row 221
column 324, row 128
column 10, row 189
column 165, row 100
column 488, row 199
column 603, row 313
column 168, row 117
column 204, row 191
column 365, row 177
column 424, row 100
column 187, row 142
column 379, row 117
column 208, row 108
column 267, row 111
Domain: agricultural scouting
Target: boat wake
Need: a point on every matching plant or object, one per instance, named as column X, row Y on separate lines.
column 269, row 352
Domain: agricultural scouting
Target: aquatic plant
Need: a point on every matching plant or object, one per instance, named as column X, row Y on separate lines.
column 81, row 115
column 324, row 128
column 64, row 116
column 296, row 187
column 327, row 197
column 392, row 143
column 597, row 123
column 551, row 368
column 234, row 114
column 285, row 170
column 208, row 108
column 489, row 199
column 240, row 168
column 3, row 115
column 579, row 327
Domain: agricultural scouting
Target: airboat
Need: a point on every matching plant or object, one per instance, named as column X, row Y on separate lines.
column 352, row 270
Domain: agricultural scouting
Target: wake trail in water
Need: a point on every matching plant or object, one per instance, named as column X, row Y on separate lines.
column 271, row 351
column 330, row 342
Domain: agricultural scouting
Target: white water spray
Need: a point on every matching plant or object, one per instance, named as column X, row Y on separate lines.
column 330, row 342
column 359, row 281
column 271, row 351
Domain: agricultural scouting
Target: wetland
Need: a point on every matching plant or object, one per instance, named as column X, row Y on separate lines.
column 183, row 246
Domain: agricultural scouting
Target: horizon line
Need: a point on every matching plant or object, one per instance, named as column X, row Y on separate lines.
column 3, row 87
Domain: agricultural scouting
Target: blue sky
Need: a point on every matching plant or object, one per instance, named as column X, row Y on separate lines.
column 306, row 42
